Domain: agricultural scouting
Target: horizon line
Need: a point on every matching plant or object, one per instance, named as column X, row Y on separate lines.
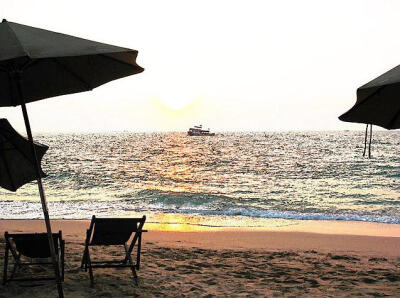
column 216, row 131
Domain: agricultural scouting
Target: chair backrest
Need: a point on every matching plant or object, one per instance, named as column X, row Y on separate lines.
column 114, row 231
column 34, row 245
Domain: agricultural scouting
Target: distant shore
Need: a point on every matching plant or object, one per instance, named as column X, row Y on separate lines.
column 310, row 258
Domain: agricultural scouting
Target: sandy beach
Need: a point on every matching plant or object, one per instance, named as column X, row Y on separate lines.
column 329, row 259
column 258, row 139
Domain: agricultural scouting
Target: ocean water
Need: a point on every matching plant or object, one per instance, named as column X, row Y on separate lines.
column 232, row 179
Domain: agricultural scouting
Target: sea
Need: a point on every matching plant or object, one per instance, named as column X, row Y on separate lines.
column 262, row 179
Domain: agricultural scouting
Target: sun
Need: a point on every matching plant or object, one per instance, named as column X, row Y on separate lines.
column 176, row 100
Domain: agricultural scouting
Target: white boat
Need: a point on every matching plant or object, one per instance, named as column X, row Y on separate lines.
column 198, row 130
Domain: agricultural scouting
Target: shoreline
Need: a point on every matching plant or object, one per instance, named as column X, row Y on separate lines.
column 369, row 239
column 331, row 227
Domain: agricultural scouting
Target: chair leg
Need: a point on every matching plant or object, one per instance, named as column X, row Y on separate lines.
column 139, row 248
column 84, row 264
column 5, row 263
column 89, row 264
column 16, row 265
column 137, row 235
column 83, row 258
column 134, row 274
column 86, row 250
column 132, row 266
column 62, row 261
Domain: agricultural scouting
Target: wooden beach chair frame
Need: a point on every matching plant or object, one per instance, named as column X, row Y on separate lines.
column 110, row 232
column 41, row 250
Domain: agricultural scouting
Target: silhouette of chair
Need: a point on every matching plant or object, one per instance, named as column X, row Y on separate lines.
column 114, row 231
column 28, row 249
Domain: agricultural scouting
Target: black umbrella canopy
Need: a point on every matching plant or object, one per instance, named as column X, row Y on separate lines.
column 17, row 164
column 51, row 64
column 378, row 102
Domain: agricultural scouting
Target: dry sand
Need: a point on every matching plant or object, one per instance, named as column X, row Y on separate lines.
column 320, row 259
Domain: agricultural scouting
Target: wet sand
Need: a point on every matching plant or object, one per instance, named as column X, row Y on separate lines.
column 308, row 259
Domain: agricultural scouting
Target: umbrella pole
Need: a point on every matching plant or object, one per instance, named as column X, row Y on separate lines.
column 370, row 140
column 42, row 195
column 365, row 141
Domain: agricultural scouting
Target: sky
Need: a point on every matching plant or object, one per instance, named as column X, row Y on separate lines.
column 229, row 65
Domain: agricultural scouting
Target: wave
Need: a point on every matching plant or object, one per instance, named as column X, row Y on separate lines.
column 202, row 204
column 68, row 209
column 308, row 216
column 289, row 215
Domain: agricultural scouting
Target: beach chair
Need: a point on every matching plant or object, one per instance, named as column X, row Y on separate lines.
column 114, row 231
column 32, row 249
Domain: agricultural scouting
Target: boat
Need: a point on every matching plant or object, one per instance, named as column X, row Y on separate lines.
column 198, row 130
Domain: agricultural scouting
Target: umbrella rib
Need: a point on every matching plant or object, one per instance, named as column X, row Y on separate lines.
column 370, row 96
column 379, row 88
column 30, row 63
column 87, row 86
column 117, row 60
column 18, row 40
column 359, row 104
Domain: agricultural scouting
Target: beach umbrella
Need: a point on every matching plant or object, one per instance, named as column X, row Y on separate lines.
column 378, row 103
column 37, row 64
column 17, row 164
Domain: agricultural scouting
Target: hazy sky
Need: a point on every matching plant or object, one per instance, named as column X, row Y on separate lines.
column 230, row 65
